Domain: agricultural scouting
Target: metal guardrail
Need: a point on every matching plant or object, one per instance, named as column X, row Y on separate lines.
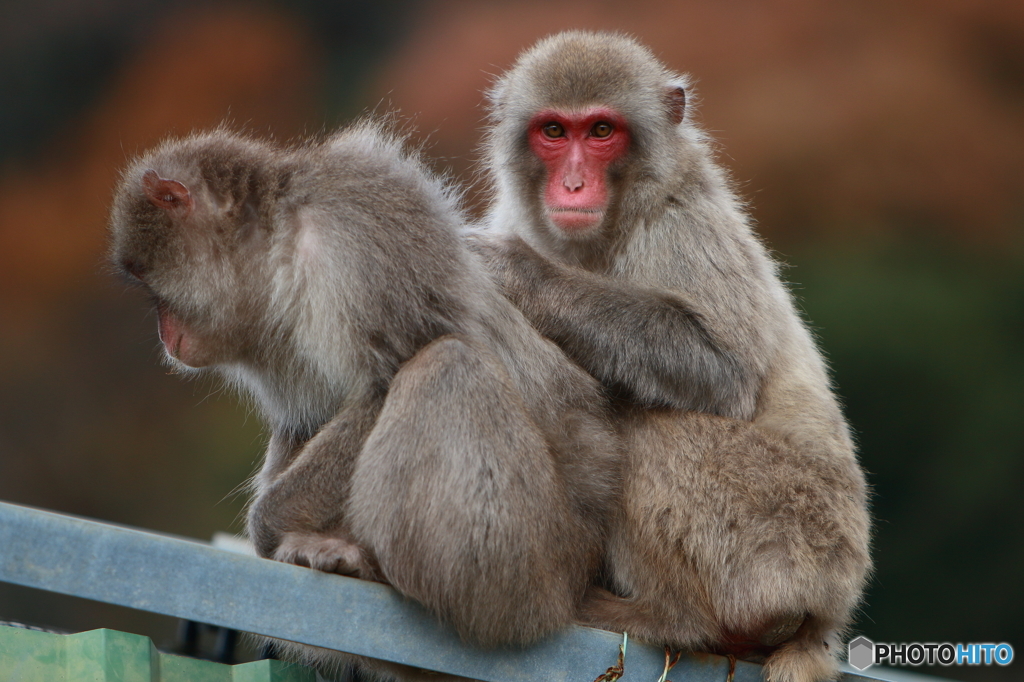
column 195, row 581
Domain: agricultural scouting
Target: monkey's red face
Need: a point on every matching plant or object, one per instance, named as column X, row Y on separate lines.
column 180, row 342
column 577, row 149
column 172, row 283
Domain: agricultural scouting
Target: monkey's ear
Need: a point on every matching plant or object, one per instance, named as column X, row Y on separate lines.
column 675, row 101
column 169, row 195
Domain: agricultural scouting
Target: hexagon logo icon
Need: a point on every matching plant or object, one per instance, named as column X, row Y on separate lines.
column 861, row 653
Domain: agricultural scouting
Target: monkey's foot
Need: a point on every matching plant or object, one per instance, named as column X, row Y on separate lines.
column 324, row 553
column 781, row 629
column 757, row 649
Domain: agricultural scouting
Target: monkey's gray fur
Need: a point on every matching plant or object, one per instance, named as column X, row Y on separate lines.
column 744, row 514
column 422, row 432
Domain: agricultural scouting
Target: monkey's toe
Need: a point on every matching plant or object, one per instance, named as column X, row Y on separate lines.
column 322, row 552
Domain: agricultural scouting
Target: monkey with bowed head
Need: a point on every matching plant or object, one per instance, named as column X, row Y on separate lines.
column 743, row 525
column 422, row 432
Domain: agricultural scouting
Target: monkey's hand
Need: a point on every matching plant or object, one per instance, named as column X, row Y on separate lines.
column 487, row 246
column 326, row 553
column 511, row 263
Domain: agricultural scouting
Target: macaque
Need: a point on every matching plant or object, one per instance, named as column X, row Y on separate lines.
column 743, row 525
column 422, row 433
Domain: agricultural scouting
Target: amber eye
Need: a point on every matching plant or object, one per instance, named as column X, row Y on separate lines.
column 601, row 129
column 554, row 130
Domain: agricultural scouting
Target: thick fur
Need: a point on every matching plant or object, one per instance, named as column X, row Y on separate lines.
column 744, row 515
column 422, row 432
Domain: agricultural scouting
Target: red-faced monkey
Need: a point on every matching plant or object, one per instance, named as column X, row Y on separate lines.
column 422, row 432
column 743, row 525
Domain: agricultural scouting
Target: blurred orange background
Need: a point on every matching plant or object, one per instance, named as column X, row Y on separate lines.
column 881, row 145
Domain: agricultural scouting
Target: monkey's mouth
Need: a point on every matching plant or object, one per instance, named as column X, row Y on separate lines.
column 576, row 219
column 178, row 341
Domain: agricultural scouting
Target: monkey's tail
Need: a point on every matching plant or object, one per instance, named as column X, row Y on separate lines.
column 808, row 656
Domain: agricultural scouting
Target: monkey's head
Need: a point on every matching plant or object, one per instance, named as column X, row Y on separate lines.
column 580, row 118
column 187, row 224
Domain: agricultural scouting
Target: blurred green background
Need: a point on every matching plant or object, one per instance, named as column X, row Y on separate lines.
column 881, row 145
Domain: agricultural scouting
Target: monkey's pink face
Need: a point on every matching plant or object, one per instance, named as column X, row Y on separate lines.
column 180, row 340
column 577, row 149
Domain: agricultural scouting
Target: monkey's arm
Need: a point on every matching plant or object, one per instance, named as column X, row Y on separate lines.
column 299, row 511
column 652, row 344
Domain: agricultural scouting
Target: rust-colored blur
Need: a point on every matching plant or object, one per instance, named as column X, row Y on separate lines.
column 830, row 115
column 251, row 68
column 880, row 145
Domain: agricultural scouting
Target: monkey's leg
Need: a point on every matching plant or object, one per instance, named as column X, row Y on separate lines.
column 730, row 532
column 457, row 494
column 297, row 515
